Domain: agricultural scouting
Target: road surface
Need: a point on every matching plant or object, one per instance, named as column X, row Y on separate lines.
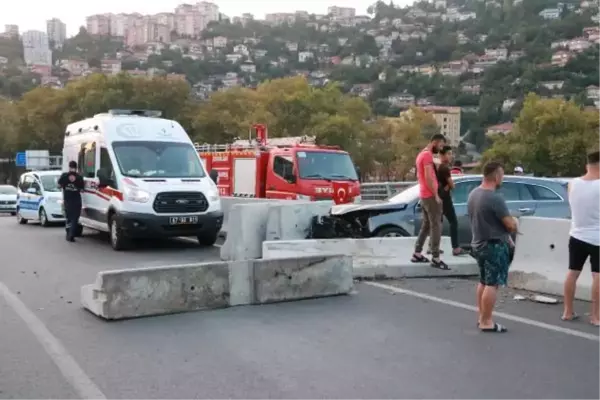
column 407, row 339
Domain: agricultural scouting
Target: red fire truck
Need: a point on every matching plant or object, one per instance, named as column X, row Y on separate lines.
column 282, row 168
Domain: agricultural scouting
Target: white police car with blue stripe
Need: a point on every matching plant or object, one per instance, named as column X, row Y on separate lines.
column 39, row 198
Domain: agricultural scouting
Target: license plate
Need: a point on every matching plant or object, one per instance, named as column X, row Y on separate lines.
column 183, row 220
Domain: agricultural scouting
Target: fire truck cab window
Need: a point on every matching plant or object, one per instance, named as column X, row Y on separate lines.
column 283, row 166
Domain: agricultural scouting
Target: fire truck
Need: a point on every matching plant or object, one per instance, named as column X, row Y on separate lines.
column 282, row 168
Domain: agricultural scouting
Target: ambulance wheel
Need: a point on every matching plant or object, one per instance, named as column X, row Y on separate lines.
column 208, row 239
column 43, row 218
column 118, row 240
column 20, row 219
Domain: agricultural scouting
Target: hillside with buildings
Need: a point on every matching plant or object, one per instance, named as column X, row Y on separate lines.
column 470, row 62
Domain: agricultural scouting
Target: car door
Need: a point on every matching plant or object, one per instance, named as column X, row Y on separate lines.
column 36, row 197
column 549, row 204
column 26, row 206
column 87, row 161
column 519, row 199
column 460, row 195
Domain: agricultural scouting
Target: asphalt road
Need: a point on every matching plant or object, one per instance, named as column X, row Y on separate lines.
column 413, row 342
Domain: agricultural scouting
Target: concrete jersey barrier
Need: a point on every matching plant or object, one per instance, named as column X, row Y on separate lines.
column 375, row 257
column 541, row 258
column 140, row 292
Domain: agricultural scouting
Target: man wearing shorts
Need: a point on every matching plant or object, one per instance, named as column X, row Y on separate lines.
column 491, row 224
column 431, row 204
column 584, row 240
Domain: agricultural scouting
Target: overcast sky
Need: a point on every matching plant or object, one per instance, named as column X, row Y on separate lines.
column 32, row 14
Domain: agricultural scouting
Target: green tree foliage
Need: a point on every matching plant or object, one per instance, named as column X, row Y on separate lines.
column 550, row 138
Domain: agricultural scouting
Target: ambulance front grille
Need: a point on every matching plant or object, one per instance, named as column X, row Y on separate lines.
column 180, row 202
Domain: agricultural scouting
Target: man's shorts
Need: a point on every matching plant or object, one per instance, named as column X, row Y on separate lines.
column 493, row 260
column 579, row 251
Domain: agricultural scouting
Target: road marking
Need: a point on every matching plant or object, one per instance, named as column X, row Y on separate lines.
column 69, row 368
column 469, row 307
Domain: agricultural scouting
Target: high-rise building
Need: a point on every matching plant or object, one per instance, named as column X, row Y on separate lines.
column 98, row 24
column 341, row 12
column 210, row 11
column 57, row 31
column 11, row 30
column 36, row 48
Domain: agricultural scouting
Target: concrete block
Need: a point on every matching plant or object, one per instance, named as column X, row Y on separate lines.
column 375, row 257
column 248, row 228
column 241, row 283
column 227, row 203
column 142, row 292
column 285, row 279
column 542, row 258
column 291, row 221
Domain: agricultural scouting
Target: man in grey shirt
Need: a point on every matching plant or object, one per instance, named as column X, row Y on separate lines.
column 491, row 225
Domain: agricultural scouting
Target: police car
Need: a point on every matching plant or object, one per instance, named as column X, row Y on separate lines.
column 39, row 198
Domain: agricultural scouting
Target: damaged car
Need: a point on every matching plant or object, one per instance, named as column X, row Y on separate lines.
column 401, row 214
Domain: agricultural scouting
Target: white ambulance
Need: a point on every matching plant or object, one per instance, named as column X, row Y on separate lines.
column 143, row 178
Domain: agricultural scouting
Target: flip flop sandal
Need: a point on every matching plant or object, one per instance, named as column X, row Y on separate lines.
column 439, row 265
column 573, row 317
column 419, row 259
column 496, row 329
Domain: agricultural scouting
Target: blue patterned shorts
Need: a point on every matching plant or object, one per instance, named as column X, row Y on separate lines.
column 493, row 260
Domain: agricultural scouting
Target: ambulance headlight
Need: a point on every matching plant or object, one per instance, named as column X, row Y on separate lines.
column 135, row 194
column 59, row 202
column 212, row 194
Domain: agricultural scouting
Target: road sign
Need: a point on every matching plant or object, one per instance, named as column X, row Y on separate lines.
column 21, row 159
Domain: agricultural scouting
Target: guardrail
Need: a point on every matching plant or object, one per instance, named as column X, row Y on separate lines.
column 377, row 191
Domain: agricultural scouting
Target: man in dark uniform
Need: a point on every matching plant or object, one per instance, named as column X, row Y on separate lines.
column 72, row 185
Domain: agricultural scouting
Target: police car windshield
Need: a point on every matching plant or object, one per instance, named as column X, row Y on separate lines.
column 139, row 159
column 7, row 189
column 326, row 165
column 50, row 183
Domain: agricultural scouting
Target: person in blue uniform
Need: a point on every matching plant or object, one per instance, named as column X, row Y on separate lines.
column 72, row 185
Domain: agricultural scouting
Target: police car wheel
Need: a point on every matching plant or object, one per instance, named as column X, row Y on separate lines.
column 43, row 218
column 118, row 241
column 20, row 219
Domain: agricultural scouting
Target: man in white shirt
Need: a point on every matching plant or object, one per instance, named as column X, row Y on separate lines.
column 584, row 241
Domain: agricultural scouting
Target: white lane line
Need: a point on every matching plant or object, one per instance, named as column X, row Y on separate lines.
column 469, row 307
column 69, row 368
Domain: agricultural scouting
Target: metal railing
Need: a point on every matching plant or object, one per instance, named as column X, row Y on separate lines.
column 377, row 191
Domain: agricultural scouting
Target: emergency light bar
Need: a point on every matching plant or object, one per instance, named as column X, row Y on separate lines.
column 141, row 113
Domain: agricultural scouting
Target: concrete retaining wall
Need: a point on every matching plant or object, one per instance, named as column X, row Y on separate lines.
column 375, row 257
column 249, row 226
column 132, row 293
column 542, row 258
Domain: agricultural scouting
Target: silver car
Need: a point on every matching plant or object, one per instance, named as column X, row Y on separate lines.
column 401, row 214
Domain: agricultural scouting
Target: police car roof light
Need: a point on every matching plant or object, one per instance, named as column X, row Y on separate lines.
column 141, row 113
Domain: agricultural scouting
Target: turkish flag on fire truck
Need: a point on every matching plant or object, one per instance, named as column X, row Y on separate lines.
column 341, row 192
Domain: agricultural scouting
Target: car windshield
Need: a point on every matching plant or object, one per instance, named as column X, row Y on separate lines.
column 406, row 196
column 325, row 165
column 50, row 183
column 8, row 190
column 158, row 159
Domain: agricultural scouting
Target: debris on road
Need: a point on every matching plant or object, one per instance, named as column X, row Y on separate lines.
column 536, row 298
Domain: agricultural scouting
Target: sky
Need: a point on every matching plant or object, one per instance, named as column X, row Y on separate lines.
column 32, row 14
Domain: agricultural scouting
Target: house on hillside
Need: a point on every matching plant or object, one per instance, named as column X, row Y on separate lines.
column 500, row 129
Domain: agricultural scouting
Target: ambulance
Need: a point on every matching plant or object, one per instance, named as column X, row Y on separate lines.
column 143, row 178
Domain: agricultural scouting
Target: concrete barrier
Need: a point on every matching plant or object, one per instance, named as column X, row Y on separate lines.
column 227, row 204
column 376, row 257
column 542, row 258
column 249, row 224
column 132, row 293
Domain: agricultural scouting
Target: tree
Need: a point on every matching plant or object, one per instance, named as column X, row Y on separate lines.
column 550, row 138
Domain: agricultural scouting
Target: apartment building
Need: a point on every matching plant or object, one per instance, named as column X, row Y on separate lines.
column 341, row 12
column 209, row 10
column 57, row 31
column 98, row 24
column 147, row 30
column 448, row 119
column 11, row 30
column 280, row 18
column 36, row 48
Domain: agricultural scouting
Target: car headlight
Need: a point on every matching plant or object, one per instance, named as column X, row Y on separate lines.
column 213, row 194
column 135, row 194
column 357, row 199
column 59, row 202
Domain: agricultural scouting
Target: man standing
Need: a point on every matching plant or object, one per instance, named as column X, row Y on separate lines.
column 584, row 241
column 491, row 224
column 72, row 185
column 431, row 204
column 445, row 187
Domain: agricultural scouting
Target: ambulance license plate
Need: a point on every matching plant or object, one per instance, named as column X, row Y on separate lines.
column 183, row 220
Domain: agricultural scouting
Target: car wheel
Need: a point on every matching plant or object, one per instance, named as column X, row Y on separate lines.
column 208, row 239
column 43, row 218
column 13, row 213
column 118, row 240
column 392, row 231
column 20, row 219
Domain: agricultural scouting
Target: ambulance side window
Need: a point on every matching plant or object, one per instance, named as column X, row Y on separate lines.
column 87, row 160
column 106, row 164
column 283, row 167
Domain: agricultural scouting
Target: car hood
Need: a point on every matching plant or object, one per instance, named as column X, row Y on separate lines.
column 343, row 209
column 53, row 195
column 157, row 185
column 5, row 197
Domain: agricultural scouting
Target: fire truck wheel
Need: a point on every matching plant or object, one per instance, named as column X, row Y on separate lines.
column 208, row 239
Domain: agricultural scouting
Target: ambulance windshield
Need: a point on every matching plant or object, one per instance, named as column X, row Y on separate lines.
column 326, row 165
column 139, row 159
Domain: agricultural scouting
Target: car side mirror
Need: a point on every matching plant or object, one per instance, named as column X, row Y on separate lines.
column 103, row 178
